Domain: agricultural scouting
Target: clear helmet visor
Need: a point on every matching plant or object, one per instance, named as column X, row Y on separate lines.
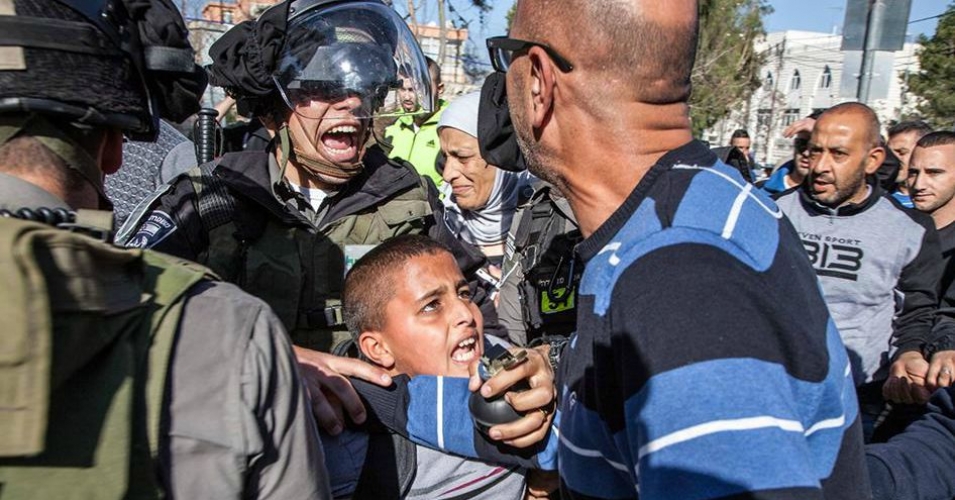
column 356, row 54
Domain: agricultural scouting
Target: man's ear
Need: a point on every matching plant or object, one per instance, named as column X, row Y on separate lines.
column 876, row 157
column 440, row 89
column 542, row 84
column 376, row 349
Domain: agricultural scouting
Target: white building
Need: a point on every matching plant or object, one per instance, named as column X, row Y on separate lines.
column 806, row 71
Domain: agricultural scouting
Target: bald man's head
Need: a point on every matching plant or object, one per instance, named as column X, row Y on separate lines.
column 868, row 119
column 644, row 48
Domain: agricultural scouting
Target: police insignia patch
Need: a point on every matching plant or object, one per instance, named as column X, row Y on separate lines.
column 157, row 227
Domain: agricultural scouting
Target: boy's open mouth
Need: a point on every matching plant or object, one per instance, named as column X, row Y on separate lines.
column 466, row 350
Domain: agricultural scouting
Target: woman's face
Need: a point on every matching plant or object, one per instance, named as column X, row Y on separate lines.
column 470, row 177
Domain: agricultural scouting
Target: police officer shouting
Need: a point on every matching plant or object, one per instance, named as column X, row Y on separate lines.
column 283, row 223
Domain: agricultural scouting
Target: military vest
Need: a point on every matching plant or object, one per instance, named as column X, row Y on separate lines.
column 296, row 268
column 88, row 332
column 544, row 248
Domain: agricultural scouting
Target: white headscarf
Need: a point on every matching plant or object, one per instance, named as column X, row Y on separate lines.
column 488, row 225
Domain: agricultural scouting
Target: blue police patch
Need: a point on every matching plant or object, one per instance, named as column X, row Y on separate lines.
column 157, row 227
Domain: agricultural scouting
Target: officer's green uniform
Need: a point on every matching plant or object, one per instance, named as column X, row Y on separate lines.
column 99, row 362
column 83, row 317
column 124, row 374
column 419, row 147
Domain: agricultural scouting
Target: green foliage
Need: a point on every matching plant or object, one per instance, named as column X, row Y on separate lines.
column 727, row 66
column 510, row 15
column 935, row 82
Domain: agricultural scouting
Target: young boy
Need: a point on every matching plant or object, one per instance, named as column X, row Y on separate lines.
column 410, row 310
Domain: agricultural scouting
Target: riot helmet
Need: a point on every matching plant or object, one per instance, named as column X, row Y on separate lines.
column 106, row 63
column 321, row 63
column 72, row 68
column 350, row 48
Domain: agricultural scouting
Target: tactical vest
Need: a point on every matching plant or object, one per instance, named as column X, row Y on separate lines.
column 295, row 268
column 88, row 332
column 545, row 250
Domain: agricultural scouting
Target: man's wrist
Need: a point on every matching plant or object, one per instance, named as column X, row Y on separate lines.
column 555, row 348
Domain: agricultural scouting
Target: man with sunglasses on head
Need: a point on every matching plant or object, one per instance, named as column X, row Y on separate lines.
column 688, row 375
column 790, row 175
column 283, row 223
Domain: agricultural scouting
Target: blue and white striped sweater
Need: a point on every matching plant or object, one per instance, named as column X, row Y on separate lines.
column 705, row 363
column 438, row 417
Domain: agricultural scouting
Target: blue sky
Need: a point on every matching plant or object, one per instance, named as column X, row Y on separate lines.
column 807, row 15
column 792, row 15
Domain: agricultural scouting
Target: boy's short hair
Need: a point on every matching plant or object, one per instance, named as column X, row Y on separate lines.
column 370, row 282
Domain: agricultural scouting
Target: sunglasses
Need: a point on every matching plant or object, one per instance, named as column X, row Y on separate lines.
column 503, row 50
column 801, row 145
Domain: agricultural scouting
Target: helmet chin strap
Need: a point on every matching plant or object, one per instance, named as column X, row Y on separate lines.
column 284, row 145
column 311, row 160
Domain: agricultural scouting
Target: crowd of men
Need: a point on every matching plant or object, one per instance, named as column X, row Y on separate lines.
column 314, row 318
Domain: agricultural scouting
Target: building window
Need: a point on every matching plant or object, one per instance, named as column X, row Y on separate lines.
column 796, row 81
column 227, row 17
column 825, row 81
column 790, row 116
column 763, row 116
column 769, row 81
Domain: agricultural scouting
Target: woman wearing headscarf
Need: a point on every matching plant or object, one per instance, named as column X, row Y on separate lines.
column 480, row 198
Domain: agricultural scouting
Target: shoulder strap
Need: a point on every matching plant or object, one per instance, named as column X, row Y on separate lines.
column 529, row 240
column 25, row 345
column 229, row 230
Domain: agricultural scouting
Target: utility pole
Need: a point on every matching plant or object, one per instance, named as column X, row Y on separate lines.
column 443, row 33
column 873, row 32
column 413, row 21
column 780, row 52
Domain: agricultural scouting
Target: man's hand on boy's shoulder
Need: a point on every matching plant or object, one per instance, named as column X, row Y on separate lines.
column 329, row 390
column 537, row 403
